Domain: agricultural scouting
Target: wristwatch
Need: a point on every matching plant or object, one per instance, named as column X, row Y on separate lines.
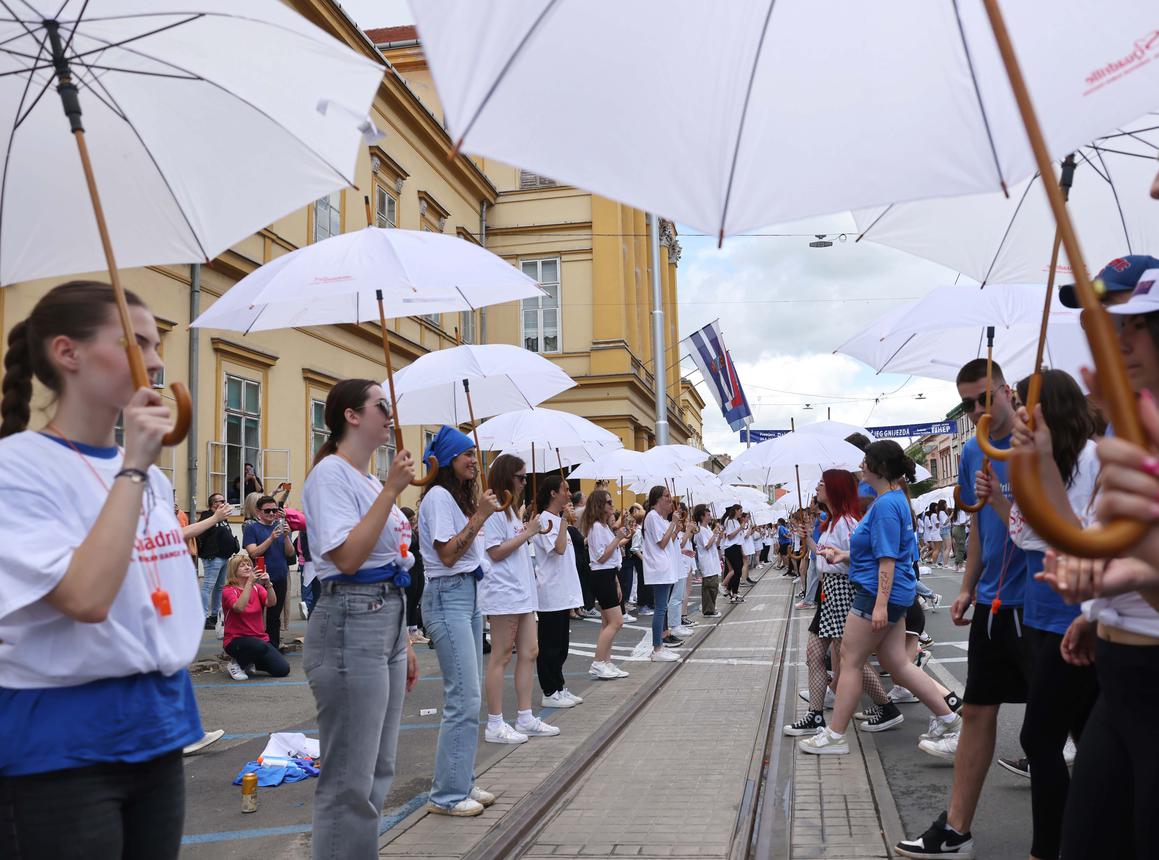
column 134, row 475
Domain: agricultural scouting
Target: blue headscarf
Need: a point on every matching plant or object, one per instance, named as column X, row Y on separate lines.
column 448, row 444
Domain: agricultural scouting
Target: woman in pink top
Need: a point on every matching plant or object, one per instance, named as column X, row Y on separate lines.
column 244, row 601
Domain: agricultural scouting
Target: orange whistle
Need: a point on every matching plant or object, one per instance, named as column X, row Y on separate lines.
column 161, row 601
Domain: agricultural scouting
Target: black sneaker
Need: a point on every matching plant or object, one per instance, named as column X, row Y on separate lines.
column 210, row 622
column 673, row 641
column 954, row 701
column 807, row 725
column 1017, row 766
column 887, row 717
column 938, row 841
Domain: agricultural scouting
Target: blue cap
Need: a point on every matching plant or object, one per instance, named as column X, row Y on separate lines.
column 448, row 444
column 1118, row 276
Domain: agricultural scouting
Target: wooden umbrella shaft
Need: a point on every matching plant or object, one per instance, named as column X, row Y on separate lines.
column 389, row 372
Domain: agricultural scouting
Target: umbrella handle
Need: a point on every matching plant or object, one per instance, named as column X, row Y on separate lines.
column 983, row 437
column 1115, row 537
column 974, row 508
column 182, row 401
column 432, row 471
column 507, row 500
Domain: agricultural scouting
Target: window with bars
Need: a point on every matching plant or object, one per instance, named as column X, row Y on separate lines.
column 468, row 329
column 383, row 457
column 529, row 180
column 540, row 315
column 385, row 207
column 319, row 432
column 327, row 216
column 243, row 415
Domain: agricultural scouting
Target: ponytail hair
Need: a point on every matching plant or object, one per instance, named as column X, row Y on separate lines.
column 74, row 310
column 347, row 394
column 548, row 487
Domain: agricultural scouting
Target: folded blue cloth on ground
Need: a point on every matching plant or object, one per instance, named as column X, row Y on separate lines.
column 271, row 775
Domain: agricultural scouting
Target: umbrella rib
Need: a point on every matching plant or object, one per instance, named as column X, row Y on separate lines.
column 865, row 232
column 105, row 44
column 1128, row 154
column 1118, row 203
column 978, row 96
column 1009, row 227
column 80, row 15
column 506, row 68
column 1092, row 166
column 23, row 116
column 743, row 116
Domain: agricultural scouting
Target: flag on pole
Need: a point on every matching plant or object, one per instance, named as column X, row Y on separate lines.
column 714, row 361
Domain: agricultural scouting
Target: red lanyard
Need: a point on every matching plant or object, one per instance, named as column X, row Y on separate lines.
column 159, row 595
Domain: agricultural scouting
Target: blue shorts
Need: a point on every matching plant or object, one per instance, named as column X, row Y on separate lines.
column 863, row 603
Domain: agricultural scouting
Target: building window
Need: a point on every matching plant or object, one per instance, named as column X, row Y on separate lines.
column 319, row 432
column 383, row 457
column 529, row 180
column 541, row 314
column 467, row 328
column 243, row 398
column 327, row 216
column 385, row 207
column 934, row 469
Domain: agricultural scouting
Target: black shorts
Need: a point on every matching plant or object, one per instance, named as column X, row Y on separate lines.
column 998, row 662
column 783, row 549
column 915, row 619
column 603, row 584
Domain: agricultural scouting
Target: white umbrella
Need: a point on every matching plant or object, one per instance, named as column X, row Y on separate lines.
column 621, row 465
column 997, row 239
column 935, row 336
column 667, row 460
column 194, row 124
column 772, row 111
column 543, row 459
column 769, row 462
column 339, row 280
column 442, row 387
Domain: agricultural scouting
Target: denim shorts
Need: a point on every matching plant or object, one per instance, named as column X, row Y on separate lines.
column 863, row 603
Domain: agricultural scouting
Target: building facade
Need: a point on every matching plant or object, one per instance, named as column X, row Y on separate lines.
column 941, row 453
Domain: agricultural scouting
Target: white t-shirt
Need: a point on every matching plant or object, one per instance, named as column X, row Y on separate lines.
column 747, row 546
column 51, row 500
column 509, row 585
column 943, row 520
column 440, row 519
column 1080, row 493
column 708, row 560
column 557, row 576
column 659, row 562
column 599, row 537
column 730, row 526
column 335, row 499
column 687, row 555
column 837, row 536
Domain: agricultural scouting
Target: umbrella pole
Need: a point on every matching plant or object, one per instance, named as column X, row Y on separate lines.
column 983, row 423
column 535, row 490
column 507, row 498
column 1112, row 538
column 432, row 461
column 71, row 102
column 622, row 509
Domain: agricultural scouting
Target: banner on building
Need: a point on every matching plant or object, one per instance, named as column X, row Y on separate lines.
column 713, row 360
column 890, row 431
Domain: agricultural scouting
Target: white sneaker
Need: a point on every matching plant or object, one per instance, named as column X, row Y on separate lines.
column 664, row 656
column 681, row 631
column 830, row 697
column 557, row 700
column 235, row 671
column 603, row 671
column 303, row 610
column 940, row 729
column 1069, row 751
column 945, row 747
column 481, row 796
column 901, row 696
column 577, row 699
column 536, row 728
column 712, row 614
column 206, row 739
column 463, row 809
column 504, row 735
column 620, row 673
column 824, row 742
column 629, row 618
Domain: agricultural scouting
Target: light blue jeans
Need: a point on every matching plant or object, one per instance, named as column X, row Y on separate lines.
column 660, row 592
column 213, row 577
column 453, row 621
column 355, row 661
column 674, row 601
column 924, row 590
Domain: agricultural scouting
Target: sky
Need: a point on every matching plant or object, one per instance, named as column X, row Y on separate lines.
column 783, row 308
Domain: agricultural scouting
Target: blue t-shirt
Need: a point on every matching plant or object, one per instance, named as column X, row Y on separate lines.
column 130, row 719
column 783, row 535
column 276, row 565
column 865, row 491
column 886, row 531
column 1044, row 608
column 997, row 548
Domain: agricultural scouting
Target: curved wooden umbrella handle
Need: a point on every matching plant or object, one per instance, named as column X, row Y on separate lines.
column 974, row 508
column 507, row 500
column 1105, row 541
column 983, row 437
column 183, row 409
column 432, row 470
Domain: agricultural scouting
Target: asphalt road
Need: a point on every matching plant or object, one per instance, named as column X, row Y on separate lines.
column 920, row 784
column 249, row 710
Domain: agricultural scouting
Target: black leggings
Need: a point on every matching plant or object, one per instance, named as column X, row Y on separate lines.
column 1110, row 810
column 554, row 638
column 274, row 613
column 116, row 810
column 627, row 569
column 259, row 654
column 643, row 589
column 1059, row 702
column 734, row 556
column 414, row 597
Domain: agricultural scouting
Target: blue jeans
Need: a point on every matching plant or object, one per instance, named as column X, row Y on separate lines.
column 924, row 590
column 355, row 661
column 310, row 592
column 453, row 621
column 674, row 601
column 213, row 573
column 660, row 592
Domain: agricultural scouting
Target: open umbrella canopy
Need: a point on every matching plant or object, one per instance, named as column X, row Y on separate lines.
column 935, row 336
column 206, row 121
column 623, row 464
column 542, row 459
column 997, row 239
column 772, row 111
column 547, row 429
column 671, row 459
column 776, row 460
column 337, row 281
column 501, row 378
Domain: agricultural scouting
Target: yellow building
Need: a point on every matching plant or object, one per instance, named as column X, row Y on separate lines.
column 259, row 397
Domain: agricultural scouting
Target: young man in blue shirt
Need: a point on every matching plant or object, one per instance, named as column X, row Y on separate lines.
column 269, row 538
column 998, row 661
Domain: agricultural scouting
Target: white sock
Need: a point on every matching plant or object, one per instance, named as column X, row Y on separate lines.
column 948, row 718
column 836, row 735
column 523, row 717
column 494, row 721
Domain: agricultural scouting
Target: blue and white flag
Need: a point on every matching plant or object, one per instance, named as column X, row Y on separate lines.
column 714, row 361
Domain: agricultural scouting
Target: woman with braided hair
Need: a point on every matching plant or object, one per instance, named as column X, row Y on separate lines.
column 94, row 572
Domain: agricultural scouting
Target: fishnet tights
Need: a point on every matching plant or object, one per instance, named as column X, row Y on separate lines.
column 819, row 678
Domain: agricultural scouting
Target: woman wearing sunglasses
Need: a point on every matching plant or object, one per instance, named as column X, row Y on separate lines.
column 357, row 648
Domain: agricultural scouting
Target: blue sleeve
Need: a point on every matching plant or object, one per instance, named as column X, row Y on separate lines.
column 967, row 467
column 885, row 534
column 247, row 535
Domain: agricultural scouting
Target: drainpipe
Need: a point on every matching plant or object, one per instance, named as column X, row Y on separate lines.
column 194, row 368
column 658, row 334
column 483, row 242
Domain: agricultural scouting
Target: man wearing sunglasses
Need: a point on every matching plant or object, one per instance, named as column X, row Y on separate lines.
column 268, row 542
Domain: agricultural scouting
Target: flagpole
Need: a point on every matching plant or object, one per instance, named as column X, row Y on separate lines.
column 658, row 335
